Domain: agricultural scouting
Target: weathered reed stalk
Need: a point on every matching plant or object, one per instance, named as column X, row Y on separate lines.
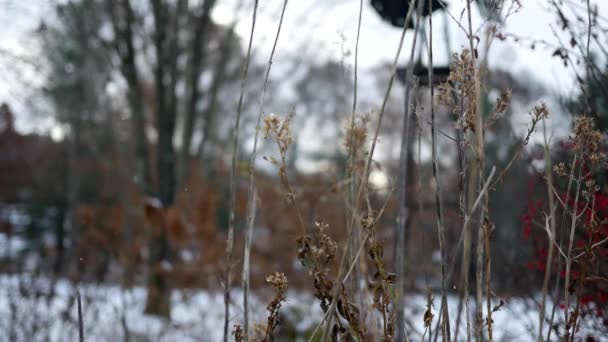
column 246, row 261
column 352, row 265
column 467, row 223
column 463, row 202
column 574, row 215
column 551, row 228
column 80, row 319
column 476, row 177
column 588, row 58
column 365, row 178
column 466, row 228
column 233, row 176
column 487, row 229
column 351, row 149
column 251, row 191
column 440, row 228
column 402, row 181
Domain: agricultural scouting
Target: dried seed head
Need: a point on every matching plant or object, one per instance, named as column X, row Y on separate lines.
column 237, row 332
column 278, row 281
column 459, row 93
column 540, row 111
column 355, row 138
column 278, row 128
column 587, row 140
column 503, row 101
column 560, row 170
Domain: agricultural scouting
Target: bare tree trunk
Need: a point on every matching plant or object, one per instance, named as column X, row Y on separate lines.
column 123, row 27
column 219, row 77
column 158, row 301
column 196, row 66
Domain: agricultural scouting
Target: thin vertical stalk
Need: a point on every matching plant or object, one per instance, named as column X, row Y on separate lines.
column 251, row 192
column 476, row 180
column 351, row 150
column 561, row 243
column 233, row 176
column 574, row 215
column 246, row 262
column 80, row 319
column 440, row 228
column 485, row 226
column 551, row 199
column 365, row 178
column 487, row 233
column 588, row 58
column 403, row 175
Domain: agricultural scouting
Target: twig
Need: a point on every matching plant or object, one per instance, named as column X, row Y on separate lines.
column 80, row 319
column 233, row 176
column 476, row 174
column 568, row 259
column 559, row 263
column 467, row 222
column 403, row 170
column 437, row 129
column 550, row 227
column 352, row 266
column 366, row 172
column 352, row 147
column 440, row 228
column 251, row 191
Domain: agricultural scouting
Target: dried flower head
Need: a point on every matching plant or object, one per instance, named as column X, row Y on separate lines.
column 278, row 128
column 278, row 281
column 540, row 111
column 237, row 332
column 459, row 93
column 503, row 101
column 560, row 169
column 587, row 140
column 356, row 133
column 428, row 314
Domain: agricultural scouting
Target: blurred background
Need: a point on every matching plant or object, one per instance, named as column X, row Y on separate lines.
column 116, row 123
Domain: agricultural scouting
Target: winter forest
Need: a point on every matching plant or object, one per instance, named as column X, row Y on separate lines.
column 304, row 170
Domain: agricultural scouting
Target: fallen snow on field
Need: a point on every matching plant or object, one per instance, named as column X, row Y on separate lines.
column 35, row 309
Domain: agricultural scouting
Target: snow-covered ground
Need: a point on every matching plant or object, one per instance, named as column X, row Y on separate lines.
column 28, row 312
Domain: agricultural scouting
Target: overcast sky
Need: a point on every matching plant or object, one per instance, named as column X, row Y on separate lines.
column 323, row 29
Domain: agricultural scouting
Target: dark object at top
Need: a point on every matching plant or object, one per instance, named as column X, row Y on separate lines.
column 395, row 11
column 440, row 74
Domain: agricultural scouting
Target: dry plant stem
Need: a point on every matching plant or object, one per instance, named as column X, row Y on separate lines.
column 246, row 261
column 376, row 219
column 559, row 260
column 352, row 266
column 477, row 179
column 80, row 319
column 351, row 150
column 588, row 59
column 466, row 229
column 440, row 229
column 355, row 72
column 485, row 226
column 251, row 191
column 403, row 169
column 365, row 177
column 467, row 224
column 233, row 176
column 580, row 284
column 551, row 228
column 570, row 246
column 487, row 233
column 470, row 189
